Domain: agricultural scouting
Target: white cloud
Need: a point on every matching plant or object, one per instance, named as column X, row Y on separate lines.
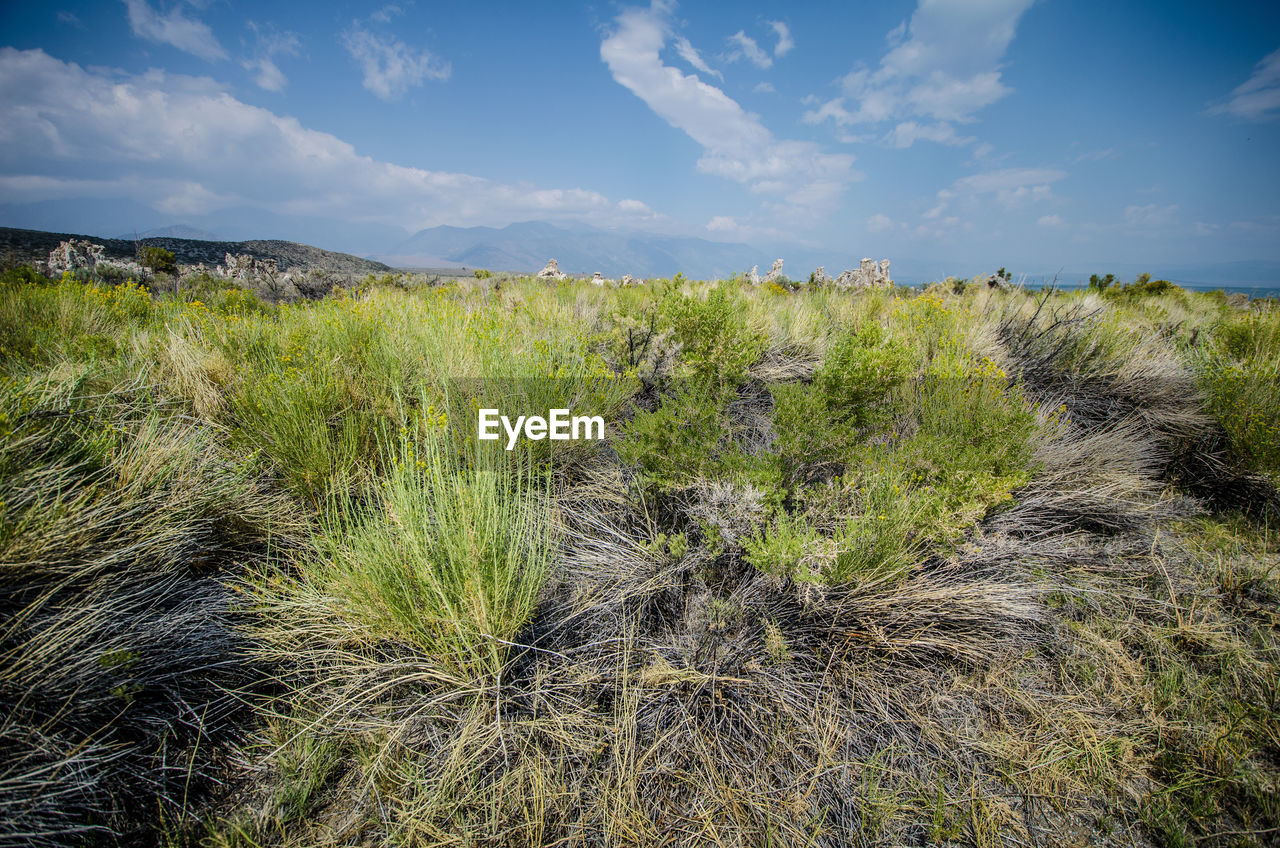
column 908, row 132
column 175, row 29
column 390, row 66
column 691, row 55
column 631, row 205
column 1010, row 188
column 736, row 145
column 880, row 223
column 1149, row 216
column 213, row 151
column 747, row 48
column 785, row 41
column 943, row 67
column 262, row 65
column 1052, row 222
column 722, row 223
column 1258, row 97
column 1203, row 229
column 386, row 13
column 764, row 88
column 266, row 74
column 65, row 17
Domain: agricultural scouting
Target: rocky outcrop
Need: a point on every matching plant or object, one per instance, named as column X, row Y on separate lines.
column 820, row 277
column 599, row 279
column 75, row 255
column 753, row 276
column 248, row 269
column 774, row 272
column 869, row 274
column 34, row 247
column 551, row 272
column 81, row 256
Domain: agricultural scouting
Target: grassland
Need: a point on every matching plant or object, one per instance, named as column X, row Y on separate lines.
column 947, row 566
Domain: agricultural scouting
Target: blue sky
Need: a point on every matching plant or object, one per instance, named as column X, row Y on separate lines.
column 1049, row 132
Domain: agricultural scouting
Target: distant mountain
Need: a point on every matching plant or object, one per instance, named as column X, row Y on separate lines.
column 181, row 231
column 579, row 250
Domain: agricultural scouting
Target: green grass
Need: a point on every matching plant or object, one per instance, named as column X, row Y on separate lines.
column 848, row 568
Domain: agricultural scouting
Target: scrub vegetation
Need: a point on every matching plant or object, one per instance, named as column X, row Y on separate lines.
column 957, row 565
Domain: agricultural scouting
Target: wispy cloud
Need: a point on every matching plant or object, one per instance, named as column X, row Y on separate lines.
column 745, row 47
column 1258, row 97
column 785, row 41
column 69, row 18
column 970, row 197
column 175, row 29
column 1149, row 216
column 735, row 144
column 764, row 88
column 691, row 55
column 214, row 151
column 269, row 45
column 1052, row 222
column 942, row 67
column 390, row 66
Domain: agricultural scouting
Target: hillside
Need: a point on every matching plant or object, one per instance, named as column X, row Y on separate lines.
column 33, row 246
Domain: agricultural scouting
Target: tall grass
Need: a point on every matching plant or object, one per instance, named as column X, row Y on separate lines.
column 448, row 551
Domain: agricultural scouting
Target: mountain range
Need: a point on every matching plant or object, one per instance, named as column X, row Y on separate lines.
column 579, row 248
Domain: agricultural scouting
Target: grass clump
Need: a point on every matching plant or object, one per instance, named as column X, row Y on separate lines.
column 444, row 553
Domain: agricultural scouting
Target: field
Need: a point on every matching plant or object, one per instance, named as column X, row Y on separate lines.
column 957, row 565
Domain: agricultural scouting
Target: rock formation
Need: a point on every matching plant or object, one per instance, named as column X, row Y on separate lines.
column 870, row 274
column 597, row 279
column 245, row 268
column 753, row 276
column 819, row 277
column 75, row 255
column 551, row 272
column 774, row 272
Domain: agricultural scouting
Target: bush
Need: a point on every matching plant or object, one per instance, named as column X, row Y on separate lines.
column 716, row 344
column 158, row 260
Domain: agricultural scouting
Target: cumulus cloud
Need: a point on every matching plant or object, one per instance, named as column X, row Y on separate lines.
column 390, row 66
column 735, row 144
column 71, row 132
column 1258, row 97
column 942, row 67
column 745, row 47
column 785, row 41
column 175, row 29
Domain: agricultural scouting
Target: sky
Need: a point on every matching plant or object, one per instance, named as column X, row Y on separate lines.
column 1051, row 132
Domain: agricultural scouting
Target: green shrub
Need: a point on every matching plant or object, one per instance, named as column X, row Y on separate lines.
column 158, row 259
column 716, row 342
column 1238, row 372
